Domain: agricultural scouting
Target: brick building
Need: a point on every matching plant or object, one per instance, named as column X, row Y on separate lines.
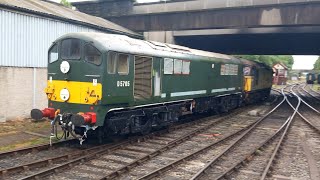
column 280, row 75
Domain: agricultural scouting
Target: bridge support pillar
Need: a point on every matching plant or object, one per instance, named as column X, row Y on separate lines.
column 160, row 36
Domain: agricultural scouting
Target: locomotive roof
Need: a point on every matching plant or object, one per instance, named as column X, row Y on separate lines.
column 254, row 63
column 125, row 44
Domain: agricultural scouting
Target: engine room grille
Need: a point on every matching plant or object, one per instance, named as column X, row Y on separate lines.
column 142, row 77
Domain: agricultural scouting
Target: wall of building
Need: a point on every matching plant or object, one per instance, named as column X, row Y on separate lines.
column 22, row 89
column 25, row 39
column 24, row 43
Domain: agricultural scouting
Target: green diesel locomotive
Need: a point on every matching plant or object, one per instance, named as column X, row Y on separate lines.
column 111, row 84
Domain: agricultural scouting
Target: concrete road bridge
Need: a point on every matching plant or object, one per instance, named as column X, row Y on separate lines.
column 227, row 26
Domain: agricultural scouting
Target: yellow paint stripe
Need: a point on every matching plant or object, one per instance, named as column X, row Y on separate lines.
column 248, row 83
column 80, row 92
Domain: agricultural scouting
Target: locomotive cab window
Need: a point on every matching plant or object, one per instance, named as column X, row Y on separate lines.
column 111, row 65
column 70, row 49
column 92, row 55
column 118, row 63
column 123, row 64
column 53, row 54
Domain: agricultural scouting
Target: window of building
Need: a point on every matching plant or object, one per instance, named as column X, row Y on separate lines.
column 70, row 49
column 53, row 54
column 92, row 55
column 123, row 64
column 111, row 62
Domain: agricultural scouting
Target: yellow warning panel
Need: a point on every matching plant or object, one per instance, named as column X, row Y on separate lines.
column 74, row 91
column 248, row 83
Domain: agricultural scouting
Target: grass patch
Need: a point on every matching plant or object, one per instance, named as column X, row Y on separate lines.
column 18, row 125
column 316, row 87
column 23, row 144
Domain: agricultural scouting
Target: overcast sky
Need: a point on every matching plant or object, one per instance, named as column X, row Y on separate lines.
column 304, row 62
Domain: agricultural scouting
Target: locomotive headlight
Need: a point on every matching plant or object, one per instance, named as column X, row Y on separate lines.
column 64, row 94
column 64, row 67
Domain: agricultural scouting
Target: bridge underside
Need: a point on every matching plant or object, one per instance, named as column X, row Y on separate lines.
column 295, row 41
column 279, row 28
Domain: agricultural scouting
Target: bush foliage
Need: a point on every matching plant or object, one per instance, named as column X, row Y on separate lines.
column 270, row 59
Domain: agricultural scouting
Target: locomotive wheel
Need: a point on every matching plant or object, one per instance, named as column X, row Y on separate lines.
column 100, row 135
column 146, row 128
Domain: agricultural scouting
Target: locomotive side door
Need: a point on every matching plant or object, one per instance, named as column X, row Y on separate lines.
column 157, row 77
column 142, row 89
column 118, row 78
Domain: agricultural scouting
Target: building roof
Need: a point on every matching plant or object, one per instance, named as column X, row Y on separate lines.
column 60, row 12
column 281, row 64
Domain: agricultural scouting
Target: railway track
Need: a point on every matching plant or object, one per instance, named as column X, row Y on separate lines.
column 118, row 162
column 308, row 89
column 36, row 148
column 305, row 128
column 65, row 161
column 289, row 158
column 238, row 147
column 308, row 94
column 34, row 152
column 188, row 163
column 226, row 167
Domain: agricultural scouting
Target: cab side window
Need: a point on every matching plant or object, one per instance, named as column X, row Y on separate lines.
column 92, row 54
column 70, row 49
column 53, row 54
column 118, row 63
column 123, row 64
column 112, row 59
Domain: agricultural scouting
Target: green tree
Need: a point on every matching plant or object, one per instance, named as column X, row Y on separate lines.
column 270, row 59
column 65, row 3
column 316, row 65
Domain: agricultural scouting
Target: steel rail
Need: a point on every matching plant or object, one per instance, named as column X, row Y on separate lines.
column 170, row 145
column 49, row 161
column 86, row 157
column 304, row 102
column 34, row 148
column 115, row 147
column 317, row 92
column 179, row 161
column 243, row 161
column 252, row 153
column 280, row 143
column 202, row 172
column 239, row 164
column 153, row 154
column 309, row 123
column 312, row 95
